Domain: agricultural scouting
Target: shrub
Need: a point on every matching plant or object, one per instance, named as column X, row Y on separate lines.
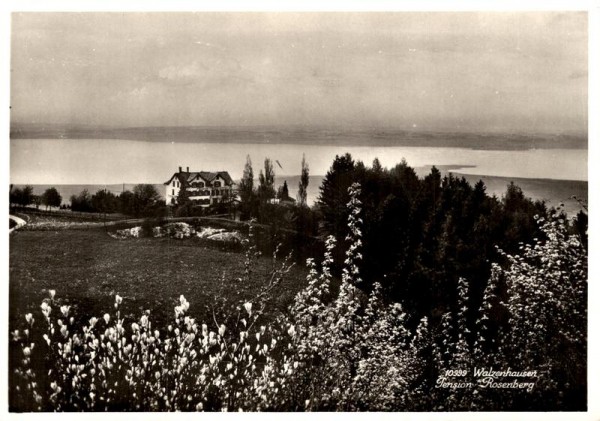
column 335, row 349
column 546, row 305
column 533, row 317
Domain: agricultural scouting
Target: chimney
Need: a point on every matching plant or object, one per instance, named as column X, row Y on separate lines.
column 187, row 169
column 179, row 169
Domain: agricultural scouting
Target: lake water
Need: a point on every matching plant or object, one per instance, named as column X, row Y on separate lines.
column 74, row 164
column 88, row 161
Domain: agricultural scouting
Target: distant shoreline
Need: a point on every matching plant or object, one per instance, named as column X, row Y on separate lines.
column 553, row 191
column 310, row 136
column 421, row 171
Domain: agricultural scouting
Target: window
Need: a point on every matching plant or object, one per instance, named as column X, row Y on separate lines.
column 173, row 183
column 173, row 192
column 217, row 184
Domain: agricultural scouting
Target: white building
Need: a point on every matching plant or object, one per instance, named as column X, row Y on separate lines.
column 203, row 188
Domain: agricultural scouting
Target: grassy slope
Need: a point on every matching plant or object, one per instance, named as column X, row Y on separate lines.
column 87, row 268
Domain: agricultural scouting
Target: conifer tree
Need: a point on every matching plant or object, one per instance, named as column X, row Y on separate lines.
column 303, row 184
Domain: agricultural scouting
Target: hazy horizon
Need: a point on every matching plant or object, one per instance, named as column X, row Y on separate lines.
column 581, row 132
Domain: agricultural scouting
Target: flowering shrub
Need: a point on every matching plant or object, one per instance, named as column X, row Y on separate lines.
column 174, row 230
column 533, row 317
column 207, row 232
column 546, row 306
column 134, row 232
column 220, row 234
column 354, row 351
column 181, row 230
column 335, row 349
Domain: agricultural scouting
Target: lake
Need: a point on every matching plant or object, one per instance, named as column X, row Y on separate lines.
column 88, row 161
column 109, row 161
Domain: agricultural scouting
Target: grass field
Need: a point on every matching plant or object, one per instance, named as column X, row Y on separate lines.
column 88, row 267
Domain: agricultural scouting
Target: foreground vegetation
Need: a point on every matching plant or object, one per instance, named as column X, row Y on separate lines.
column 420, row 234
column 333, row 349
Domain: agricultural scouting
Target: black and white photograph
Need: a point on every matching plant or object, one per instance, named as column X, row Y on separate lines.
column 297, row 211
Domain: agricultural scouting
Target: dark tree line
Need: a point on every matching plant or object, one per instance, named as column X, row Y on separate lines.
column 25, row 197
column 143, row 201
column 21, row 196
column 422, row 234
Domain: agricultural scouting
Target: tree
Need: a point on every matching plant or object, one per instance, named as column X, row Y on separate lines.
column 266, row 189
column 36, row 200
column 246, row 190
column 125, row 202
column 27, row 195
column 104, row 201
column 334, row 195
column 377, row 168
column 283, row 192
column 145, row 196
column 247, row 183
column 183, row 197
column 14, row 195
column 146, row 193
column 22, row 197
column 82, row 202
column 51, row 197
column 516, row 222
column 303, row 184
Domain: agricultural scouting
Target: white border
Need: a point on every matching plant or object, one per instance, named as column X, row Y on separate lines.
column 593, row 9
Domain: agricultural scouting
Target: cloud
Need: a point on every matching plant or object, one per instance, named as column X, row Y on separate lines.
column 207, row 71
column 175, row 73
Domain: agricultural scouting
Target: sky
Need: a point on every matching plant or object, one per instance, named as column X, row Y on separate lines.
column 487, row 71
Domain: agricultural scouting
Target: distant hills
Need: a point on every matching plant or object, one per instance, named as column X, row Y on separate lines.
column 301, row 135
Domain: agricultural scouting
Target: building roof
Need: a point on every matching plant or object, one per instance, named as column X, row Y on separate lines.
column 187, row 177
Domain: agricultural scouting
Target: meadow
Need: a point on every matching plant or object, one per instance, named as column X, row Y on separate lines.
column 89, row 267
